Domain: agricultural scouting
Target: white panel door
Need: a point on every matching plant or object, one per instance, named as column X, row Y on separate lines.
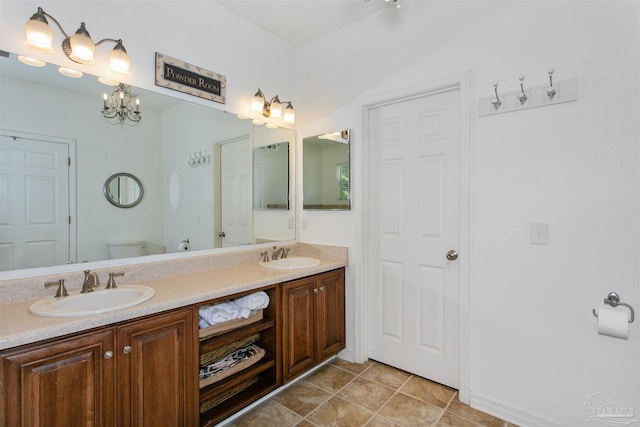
column 414, row 209
column 34, row 203
column 236, row 199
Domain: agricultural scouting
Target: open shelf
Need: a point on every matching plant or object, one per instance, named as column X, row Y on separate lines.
column 230, row 394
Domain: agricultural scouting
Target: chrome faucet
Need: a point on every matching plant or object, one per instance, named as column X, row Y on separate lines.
column 90, row 280
column 279, row 253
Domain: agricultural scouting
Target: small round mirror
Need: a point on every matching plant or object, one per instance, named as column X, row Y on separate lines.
column 123, row 190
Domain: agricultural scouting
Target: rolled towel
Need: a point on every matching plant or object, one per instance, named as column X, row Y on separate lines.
column 247, row 304
column 220, row 312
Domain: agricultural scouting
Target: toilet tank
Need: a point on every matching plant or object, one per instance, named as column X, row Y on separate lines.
column 127, row 249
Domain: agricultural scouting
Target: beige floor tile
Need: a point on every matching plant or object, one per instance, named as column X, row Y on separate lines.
column 305, row 423
column 356, row 368
column 386, row 375
column 407, row 411
column 330, row 378
column 269, row 413
column 302, row 397
column 366, row 393
column 428, row 391
column 452, row 420
column 337, row 412
column 474, row 415
column 378, row 421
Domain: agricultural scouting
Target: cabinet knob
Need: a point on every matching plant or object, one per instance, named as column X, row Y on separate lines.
column 126, row 349
column 321, row 288
column 315, row 290
column 108, row 355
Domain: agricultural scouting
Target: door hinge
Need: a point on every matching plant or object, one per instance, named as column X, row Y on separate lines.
column 69, row 158
column 69, row 219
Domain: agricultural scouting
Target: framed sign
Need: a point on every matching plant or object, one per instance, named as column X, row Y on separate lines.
column 183, row 77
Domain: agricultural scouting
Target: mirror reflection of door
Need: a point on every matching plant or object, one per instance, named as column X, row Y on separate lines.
column 235, row 192
column 34, row 203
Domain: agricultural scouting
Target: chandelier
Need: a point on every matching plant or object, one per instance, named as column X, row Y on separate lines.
column 121, row 107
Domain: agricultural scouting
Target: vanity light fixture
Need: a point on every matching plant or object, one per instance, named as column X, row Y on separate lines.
column 121, row 107
column 79, row 47
column 273, row 108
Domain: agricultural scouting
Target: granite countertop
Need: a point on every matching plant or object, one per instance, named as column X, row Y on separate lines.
column 18, row 326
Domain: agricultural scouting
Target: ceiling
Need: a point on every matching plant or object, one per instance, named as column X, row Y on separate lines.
column 299, row 22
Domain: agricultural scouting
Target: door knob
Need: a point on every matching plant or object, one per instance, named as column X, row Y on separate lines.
column 452, row 255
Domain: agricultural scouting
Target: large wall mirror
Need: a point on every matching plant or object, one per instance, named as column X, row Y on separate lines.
column 326, row 166
column 47, row 118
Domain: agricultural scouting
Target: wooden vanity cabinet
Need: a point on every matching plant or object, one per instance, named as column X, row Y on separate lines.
column 156, row 367
column 313, row 321
column 140, row 373
column 65, row 383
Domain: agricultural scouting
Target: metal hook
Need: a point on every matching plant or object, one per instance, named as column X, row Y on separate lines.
column 551, row 91
column 522, row 97
column 496, row 102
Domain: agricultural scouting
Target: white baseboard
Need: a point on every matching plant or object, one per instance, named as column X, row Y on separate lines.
column 507, row 413
column 348, row 355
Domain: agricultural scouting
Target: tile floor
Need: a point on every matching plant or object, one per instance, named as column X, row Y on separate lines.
column 370, row 394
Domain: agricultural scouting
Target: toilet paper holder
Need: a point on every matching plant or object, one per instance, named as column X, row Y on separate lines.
column 613, row 299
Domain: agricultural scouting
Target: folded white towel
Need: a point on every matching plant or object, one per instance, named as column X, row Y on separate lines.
column 220, row 312
column 248, row 304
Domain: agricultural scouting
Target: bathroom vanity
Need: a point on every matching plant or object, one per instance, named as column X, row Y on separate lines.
column 139, row 366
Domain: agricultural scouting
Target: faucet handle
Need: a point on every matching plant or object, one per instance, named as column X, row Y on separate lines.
column 94, row 280
column 111, row 284
column 265, row 256
column 62, row 291
column 285, row 252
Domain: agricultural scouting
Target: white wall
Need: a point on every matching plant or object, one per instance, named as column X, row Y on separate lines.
column 534, row 351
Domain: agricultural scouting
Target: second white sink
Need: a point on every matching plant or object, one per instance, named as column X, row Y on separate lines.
column 291, row 263
column 96, row 302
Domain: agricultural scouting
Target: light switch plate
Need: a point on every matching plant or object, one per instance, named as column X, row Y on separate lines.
column 539, row 233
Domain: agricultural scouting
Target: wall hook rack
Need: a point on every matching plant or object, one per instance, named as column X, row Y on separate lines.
column 522, row 97
column 199, row 158
column 496, row 101
column 613, row 299
column 532, row 97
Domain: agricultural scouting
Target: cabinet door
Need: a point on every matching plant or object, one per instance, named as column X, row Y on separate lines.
column 66, row 383
column 157, row 371
column 330, row 323
column 298, row 320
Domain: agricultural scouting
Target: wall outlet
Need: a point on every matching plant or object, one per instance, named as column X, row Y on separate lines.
column 539, row 233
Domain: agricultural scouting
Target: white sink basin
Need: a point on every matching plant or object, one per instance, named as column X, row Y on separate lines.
column 99, row 301
column 291, row 263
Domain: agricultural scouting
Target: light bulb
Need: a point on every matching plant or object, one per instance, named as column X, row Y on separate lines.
column 276, row 108
column 289, row 115
column 82, row 46
column 119, row 60
column 39, row 34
